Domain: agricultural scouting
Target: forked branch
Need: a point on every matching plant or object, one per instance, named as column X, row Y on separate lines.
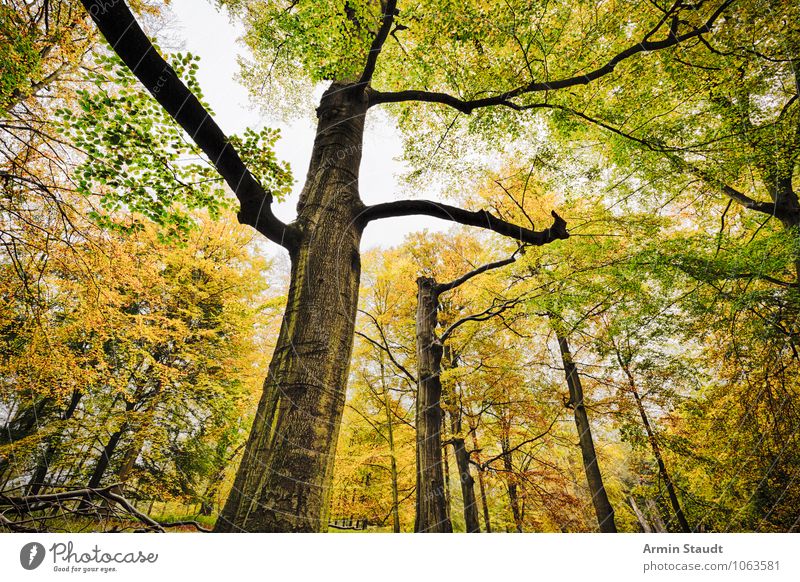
column 442, row 287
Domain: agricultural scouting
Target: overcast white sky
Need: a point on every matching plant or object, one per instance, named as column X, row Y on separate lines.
column 209, row 34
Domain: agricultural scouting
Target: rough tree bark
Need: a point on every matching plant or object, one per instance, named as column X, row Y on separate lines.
column 283, row 483
column 431, row 513
column 471, row 520
column 602, row 506
column 104, row 460
column 284, row 479
column 432, row 507
column 448, row 500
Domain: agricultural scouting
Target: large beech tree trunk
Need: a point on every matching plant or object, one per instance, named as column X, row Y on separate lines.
column 431, row 513
column 602, row 506
column 283, row 482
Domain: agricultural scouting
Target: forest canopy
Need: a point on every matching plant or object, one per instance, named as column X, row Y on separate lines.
column 603, row 337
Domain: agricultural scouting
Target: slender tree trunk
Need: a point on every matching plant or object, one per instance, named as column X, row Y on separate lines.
column 129, row 461
column 602, row 506
column 105, row 457
column 108, row 451
column 284, row 480
column 431, row 514
column 508, row 468
column 37, row 480
column 207, row 501
column 43, row 466
column 645, row 525
column 655, row 516
column 392, row 453
column 481, row 485
column 446, row 473
column 224, row 457
column 467, row 486
column 102, row 463
column 662, row 467
column 471, row 520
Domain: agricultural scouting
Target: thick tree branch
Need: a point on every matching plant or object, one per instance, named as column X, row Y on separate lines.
column 505, row 99
column 481, row 219
column 729, row 191
column 120, row 28
column 377, row 43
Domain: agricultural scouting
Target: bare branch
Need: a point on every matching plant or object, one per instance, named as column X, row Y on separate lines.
column 673, row 154
column 380, row 346
column 492, row 311
column 442, row 287
column 385, row 345
column 27, row 505
column 481, row 219
column 485, row 465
